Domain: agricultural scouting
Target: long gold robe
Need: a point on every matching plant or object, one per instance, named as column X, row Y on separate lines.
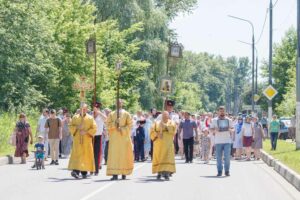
column 163, row 148
column 120, row 151
column 82, row 156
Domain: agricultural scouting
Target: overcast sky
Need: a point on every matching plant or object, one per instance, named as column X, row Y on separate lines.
column 209, row 29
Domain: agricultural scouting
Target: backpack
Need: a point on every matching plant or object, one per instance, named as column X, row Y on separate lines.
column 58, row 120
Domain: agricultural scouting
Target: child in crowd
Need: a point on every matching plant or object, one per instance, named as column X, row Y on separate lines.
column 139, row 141
column 40, row 151
column 205, row 145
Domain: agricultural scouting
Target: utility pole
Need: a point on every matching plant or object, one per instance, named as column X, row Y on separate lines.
column 256, row 73
column 253, row 63
column 270, row 58
column 298, row 79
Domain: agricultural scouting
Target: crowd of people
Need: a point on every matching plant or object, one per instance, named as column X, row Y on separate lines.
column 96, row 137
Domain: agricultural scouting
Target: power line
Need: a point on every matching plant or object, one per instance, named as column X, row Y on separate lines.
column 264, row 25
column 275, row 3
column 290, row 12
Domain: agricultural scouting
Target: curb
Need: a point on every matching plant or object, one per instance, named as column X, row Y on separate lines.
column 290, row 175
column 9, row 160
column 6, row 160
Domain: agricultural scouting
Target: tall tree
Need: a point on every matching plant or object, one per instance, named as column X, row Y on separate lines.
column 26, row 53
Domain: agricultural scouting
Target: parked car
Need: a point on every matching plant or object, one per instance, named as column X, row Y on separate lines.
column 285, row 123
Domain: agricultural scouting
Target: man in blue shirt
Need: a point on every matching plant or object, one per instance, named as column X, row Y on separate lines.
column 188, row 127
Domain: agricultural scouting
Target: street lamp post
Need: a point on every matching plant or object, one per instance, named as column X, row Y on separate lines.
column 256, row 66
column 253, row 56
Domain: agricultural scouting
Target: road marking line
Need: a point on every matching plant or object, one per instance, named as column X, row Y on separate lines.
column 108, row 185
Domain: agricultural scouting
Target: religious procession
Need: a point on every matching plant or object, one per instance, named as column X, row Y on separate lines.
column 95, row 137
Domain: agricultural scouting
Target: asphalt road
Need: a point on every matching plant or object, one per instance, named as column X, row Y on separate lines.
column 248, row 181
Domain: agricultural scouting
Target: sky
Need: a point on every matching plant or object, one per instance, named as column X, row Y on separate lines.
column 209, row 29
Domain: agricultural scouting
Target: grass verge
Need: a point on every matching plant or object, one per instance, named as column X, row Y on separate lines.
column 286, row 152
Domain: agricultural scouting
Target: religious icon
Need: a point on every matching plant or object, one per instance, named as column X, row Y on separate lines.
column 175, row 50
column 223, row 125
column 166, row 86
column 91, row 46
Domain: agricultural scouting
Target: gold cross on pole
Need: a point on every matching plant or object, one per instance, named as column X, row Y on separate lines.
column 82, row 86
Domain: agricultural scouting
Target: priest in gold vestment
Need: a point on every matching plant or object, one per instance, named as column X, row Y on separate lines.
column 83, row 128
column 162, row 134
column 120, row 151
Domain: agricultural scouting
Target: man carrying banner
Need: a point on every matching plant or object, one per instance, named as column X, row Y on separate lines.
column 120, row 154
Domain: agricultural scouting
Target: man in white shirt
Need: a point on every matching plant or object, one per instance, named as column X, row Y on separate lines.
column 222, row 127
column 99, row 118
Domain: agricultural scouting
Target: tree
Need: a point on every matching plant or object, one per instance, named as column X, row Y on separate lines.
column 284, row 60
column 221, row 81
column 117, row 45
column 26, row 64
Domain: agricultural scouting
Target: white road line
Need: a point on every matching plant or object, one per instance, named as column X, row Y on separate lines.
column 107, row 185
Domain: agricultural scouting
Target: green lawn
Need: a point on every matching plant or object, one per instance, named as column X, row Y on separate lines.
column 7, row 123
column 286, row 153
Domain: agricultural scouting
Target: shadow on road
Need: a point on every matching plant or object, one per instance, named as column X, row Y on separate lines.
column 201, row 163
column 149, row 179
column 65, row 169
column 216, row 177
column 52, row 179
column 108, row 180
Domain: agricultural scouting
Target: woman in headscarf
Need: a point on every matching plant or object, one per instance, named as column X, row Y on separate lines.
column 23, row 133
column 258, row 138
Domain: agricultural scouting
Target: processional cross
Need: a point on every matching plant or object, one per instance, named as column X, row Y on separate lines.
column 82, row 86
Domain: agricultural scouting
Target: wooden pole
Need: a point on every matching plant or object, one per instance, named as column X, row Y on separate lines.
column 117, row 101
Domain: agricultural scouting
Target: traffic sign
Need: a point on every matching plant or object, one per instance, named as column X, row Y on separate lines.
column 270, row 92
column 256, row 97
column 249, row 107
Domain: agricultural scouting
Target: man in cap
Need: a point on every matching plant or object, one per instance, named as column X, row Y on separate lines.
column 169, row 107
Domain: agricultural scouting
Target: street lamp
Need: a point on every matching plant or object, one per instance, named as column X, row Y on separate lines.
column 253, row 55
column 256, row 65
column 91, row 50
